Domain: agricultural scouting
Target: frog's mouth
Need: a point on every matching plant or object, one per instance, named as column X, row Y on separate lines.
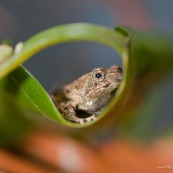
column 84, row 117
column 82, row 114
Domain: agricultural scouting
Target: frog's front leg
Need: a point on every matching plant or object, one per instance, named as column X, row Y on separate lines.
column 68, row 110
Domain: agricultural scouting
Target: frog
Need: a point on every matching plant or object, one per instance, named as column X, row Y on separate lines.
column 85, row 98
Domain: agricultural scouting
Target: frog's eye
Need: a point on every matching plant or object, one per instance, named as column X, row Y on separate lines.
column 99, row 75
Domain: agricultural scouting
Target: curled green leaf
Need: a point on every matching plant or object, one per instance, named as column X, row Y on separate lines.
column 146, row 59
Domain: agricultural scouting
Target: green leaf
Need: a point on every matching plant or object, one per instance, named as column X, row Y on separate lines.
column 60, row 34
column 28, row 84
column 14, row 121
column 147, row 57
column 139, row 123
column 27, row 90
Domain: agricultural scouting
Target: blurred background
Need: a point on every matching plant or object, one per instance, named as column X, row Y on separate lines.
column 60, row 64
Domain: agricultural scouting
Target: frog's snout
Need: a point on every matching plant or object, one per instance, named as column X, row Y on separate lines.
column 119, row 77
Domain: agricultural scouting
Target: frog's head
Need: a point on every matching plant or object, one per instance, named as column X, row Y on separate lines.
column 101, row 85
column 105, row 80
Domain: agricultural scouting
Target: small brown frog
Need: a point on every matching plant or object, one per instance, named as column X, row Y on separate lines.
column 82, row 100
